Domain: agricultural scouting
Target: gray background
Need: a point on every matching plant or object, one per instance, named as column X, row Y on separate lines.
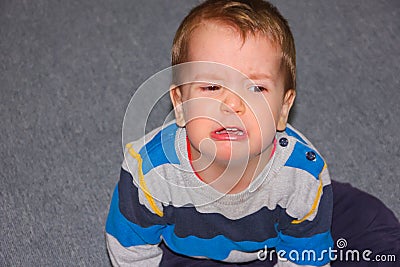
column 69, row 68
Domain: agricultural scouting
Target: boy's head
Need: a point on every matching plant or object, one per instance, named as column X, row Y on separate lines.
column 231, row 109
column 247, row 17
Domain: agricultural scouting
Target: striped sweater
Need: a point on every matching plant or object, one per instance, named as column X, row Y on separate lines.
column 160, row 199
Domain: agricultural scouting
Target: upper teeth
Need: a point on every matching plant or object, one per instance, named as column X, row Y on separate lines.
column 231, row 129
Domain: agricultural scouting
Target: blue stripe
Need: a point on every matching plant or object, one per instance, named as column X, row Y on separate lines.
column 299, row 160
column 318, row 244
column 160, row 150
column 217, row 248
column 127, row 233
column 290, row 132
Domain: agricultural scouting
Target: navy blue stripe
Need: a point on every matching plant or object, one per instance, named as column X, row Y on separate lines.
column 257, row 227
column 130, row 206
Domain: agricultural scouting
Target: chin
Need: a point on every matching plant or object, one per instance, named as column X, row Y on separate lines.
column 232, row 158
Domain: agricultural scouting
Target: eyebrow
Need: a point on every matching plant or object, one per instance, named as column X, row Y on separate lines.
column 214, row 76
column 218, row 79
column 207, row 76
column 260, row 76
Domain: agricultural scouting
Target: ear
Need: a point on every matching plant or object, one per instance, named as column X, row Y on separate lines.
column 288, row 101
column 176, row 99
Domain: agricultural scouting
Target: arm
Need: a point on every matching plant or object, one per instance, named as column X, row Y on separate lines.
column 140, row 255
column 133, row 232
column 307, row 240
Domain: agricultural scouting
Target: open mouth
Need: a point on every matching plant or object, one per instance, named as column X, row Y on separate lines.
column 229, row 133
column 230, row 130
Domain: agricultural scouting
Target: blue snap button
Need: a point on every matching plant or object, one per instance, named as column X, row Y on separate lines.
column 283, row 142
column 310, row 155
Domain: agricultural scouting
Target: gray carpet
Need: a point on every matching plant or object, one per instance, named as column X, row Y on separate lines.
column 69, row 68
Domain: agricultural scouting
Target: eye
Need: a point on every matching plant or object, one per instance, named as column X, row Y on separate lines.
column 257, row 89
column 210, row 88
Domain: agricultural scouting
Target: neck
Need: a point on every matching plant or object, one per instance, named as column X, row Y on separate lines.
column 232, row 177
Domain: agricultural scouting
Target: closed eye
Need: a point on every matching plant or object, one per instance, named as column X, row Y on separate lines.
column 257, row 89
column 210, row 88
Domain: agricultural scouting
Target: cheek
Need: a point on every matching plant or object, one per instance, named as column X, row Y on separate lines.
column 199, row 108
column 275, row 105
column 263, row 120
column 199, row 138
column 198, row 129
column 262, row 112
column 198, row 124
column 267, row 131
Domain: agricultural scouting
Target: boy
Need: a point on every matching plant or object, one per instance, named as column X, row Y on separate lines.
column 229, row 178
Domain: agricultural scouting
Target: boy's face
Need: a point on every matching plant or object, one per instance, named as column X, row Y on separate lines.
column 231, row 110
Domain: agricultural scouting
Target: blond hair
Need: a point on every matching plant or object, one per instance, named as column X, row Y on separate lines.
column 248, row 16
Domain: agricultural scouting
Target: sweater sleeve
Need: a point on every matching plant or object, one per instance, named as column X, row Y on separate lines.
column 307, row 240
column 133, row 232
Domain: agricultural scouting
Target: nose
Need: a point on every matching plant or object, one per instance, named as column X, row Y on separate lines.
column 232, row 103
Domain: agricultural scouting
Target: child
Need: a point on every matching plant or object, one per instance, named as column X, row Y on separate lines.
column 229, row 178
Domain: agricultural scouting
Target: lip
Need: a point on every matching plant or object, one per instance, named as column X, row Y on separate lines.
column 229, row 133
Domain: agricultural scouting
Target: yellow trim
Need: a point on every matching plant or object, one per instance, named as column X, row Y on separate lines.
column 316, row 200
column 142, row 183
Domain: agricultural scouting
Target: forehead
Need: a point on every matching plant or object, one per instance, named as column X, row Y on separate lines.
column 252, row 55
column 239, row 32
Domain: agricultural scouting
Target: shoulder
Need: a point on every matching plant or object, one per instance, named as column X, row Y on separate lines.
column 303, row 176
column 146, row 162
column 299, row 153
column 154, row 149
